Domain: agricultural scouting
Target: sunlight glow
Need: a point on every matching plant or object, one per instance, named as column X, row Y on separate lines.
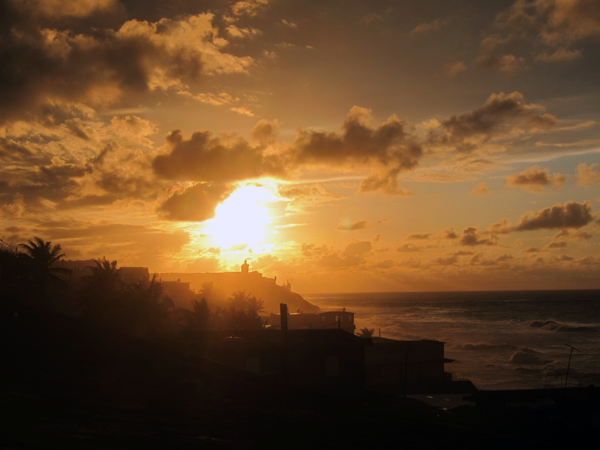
column 242, row 218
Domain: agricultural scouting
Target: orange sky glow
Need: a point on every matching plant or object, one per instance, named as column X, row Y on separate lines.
column 415, row 145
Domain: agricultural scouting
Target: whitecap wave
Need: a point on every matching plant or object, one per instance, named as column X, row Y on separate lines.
column 553, row 325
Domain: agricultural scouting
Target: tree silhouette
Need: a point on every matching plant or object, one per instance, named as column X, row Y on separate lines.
column 102, row 290
column 146, row 309
column 366, row 333
column 199, row 318
column 40, row 259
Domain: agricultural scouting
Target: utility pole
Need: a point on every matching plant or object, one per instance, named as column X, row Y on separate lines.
column 569, row 365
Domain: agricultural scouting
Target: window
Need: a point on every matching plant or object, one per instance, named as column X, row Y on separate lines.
column 322, row 318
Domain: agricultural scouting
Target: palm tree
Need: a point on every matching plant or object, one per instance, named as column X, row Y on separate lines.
column 40, row 259
column 146, row 309
column 102, row 289
column 366, row 333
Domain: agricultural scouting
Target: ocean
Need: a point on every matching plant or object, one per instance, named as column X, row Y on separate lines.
column 498, row 340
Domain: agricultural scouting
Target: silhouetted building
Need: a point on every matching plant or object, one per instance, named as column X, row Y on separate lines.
column 177, row 290
column 330, row 361
column 412, row 367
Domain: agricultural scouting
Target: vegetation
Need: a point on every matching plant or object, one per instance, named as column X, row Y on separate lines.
column 366, row 333
column 32, row 273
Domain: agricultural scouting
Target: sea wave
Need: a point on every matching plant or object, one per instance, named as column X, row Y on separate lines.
column 524, row 357
column 485, row 347
column 553, row 325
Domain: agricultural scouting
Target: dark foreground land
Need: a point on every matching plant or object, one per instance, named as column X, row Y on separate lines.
column 67, row 385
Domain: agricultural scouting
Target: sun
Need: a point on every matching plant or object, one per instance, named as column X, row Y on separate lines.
column 242, row 218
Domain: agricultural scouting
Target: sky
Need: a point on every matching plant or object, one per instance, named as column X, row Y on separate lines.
column 345, row 146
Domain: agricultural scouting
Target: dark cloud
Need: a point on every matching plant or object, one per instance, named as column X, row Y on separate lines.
column 472, row 236
column 569, row 215
column 196, row 203
column 388, row 150
column 215, row 159
column 449, row 233
column 509, row 64
column 444, row 261
column 575, row 235
column 358, row 225
column 480, row 260
column 390, row 146
column 500, row 115
column 554, row 21
column 554, row 245
column 530, row 250
column 535, row 179
column 417, row 236
column 45, row 60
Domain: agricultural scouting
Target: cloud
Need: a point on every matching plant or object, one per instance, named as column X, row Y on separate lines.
column 569, row 215
column 13, row 209
column 444, row 261
column 358, row 225
column 353, row 255
column 449, row 233
column 243, row 111
column 454, row 68
column 535, row 179
column 196, row 203
column 553, row 21
column 358, row 248
column 389, row 148
column 481, row 189
column 408, row 248
column 579, row 235
column 560, row 55
column 386, row 264
column 236, row 32
column 554, row 245
column 472, row 236
column 501, row 115
column 417, row 236
column 311, row 250
column 588, row 175
column 509, row 64
column 480, row 260
column 427, row 27
column 104, row 66
column 384, row 220
column 203, row 157
column 248, row 7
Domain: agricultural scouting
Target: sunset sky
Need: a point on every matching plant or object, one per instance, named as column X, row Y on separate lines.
column 381, row 145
